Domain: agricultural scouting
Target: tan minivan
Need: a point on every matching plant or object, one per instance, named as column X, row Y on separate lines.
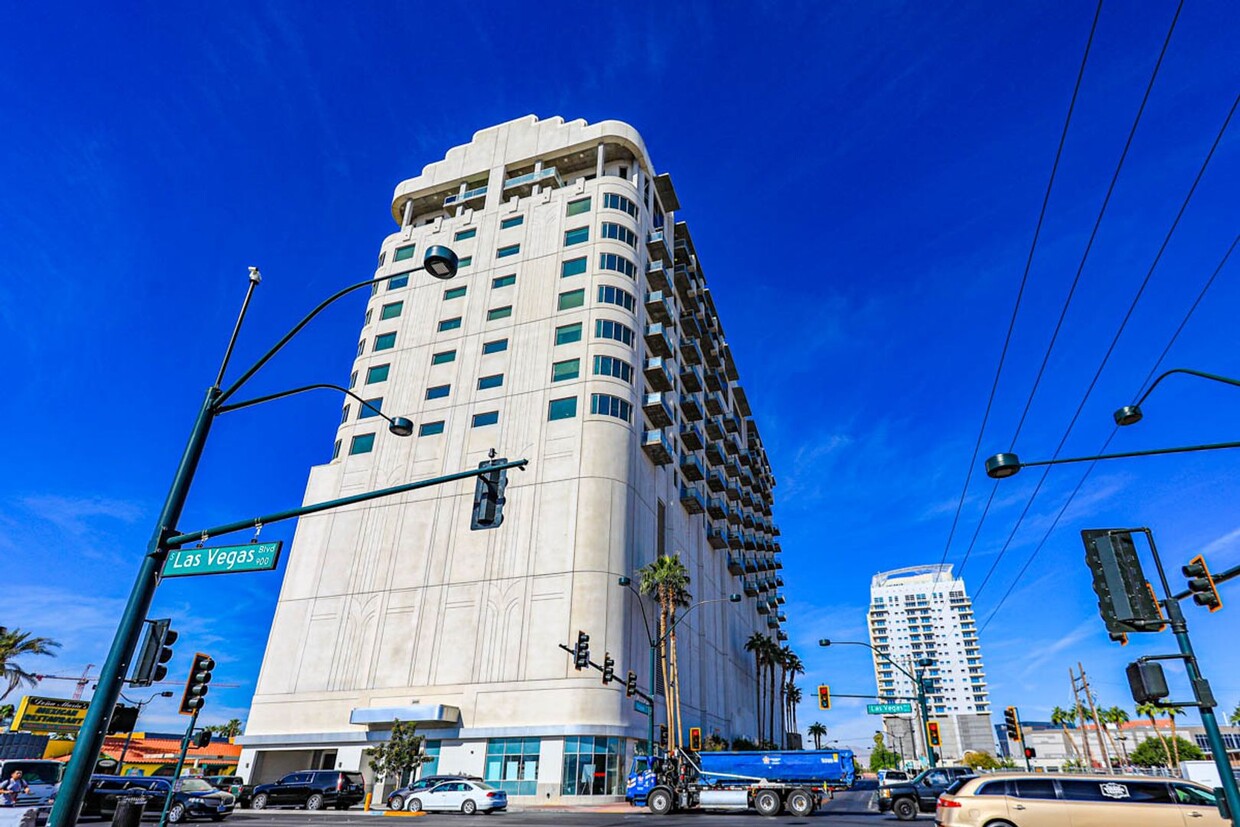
column 1062, row 800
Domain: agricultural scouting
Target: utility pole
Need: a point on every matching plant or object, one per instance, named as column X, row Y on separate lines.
column 1080, row 712
column 1093, row 710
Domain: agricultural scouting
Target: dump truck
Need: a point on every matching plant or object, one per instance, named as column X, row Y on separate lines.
column 768, row 781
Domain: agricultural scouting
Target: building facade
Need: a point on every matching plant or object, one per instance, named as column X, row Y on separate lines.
column 923, row 613
column 578, row 333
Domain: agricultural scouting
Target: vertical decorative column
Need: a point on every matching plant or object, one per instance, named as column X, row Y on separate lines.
column 598, row 165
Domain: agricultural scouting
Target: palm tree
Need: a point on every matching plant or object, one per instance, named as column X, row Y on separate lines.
column 817, row 731
column 667, row 580
column 1149, row 711
column 229, row 730
column 1119, row 716
column 1171, row 712
column 795, row 667
column 1062, row 717
column 794, row 698
column 756, row 644
column 783, row 659
column 772, row 659
column 1234, row 717
column 13, row 644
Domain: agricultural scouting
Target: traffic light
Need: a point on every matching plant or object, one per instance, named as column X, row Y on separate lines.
column 630, row 684
column 489, row 496
column 1030, row 752
column 156, row 651
column 935, row 740
column 581, row 653
column 124, row 719
column 1125, row 599
column 202, row 738
column 1147, row 681
column 695, row 738
column 824, row 697
column 1201, row 584
column 196, row 685
column 609, row 668
column 663, row 735
column 1011, row 722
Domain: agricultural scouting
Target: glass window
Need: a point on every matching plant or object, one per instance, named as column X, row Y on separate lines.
column 615, row 201
column 391, row 311
column 568, row 333
column 593, row 766
column 431, row 748
column 620, row 233
column 438, row 392
column 494, row 347
column 385, row 342
column 366, row 321
column 449, row 324
column 573, row 267
column 577, row 236
column 398, row 281
column 362, row 444
column 509, row 250
column 509, row 223
column 454, row 293
column 614, row 295
column 382, row 258
column 1186, row 794
column 1033, row 788
column 608, row 405
column 488, row 418
column 565, row 408
column 619, row 264
column 371, row 408
column 512, row 765
column 568, row 369
column 493, row 381
column 989, row 788
column 607, row 329
column 464, row 262
column 431, row 428
column 461, row 235
column 579, row 206
column 377, row 373
column 336, row 450
column 504, row 281
column 611, row 366
column 403, row 253
column 499, row 313
column 344, row 414
column 443, row 357
column 571, row 299
column 352, row 379
column 361, row 347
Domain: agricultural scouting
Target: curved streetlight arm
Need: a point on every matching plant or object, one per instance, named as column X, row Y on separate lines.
column 641, row 604
column 318, row 385
column 266, row 357
column 1212, row 376
column 681, row 619
column 872, row 649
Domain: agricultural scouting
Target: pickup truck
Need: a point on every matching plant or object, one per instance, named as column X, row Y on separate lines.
column 907, row 798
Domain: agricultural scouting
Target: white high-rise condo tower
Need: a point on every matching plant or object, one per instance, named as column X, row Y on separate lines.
column 580, row 333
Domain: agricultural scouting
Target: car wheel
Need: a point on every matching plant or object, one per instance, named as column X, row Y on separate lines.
column 660, row 801
column 415, row 805
column 767, row 802
column 469, row 807
column 905, row 809
column 314, row 802
column 396, row 802
column 176, row 813
column 800, row 803
column 259, row 802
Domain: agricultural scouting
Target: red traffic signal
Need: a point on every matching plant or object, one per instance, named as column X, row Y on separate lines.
column 935, row 740
column 695, row 738
column 1030, row 752
column 824, row 697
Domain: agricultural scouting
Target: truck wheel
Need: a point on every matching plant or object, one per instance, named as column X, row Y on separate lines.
column 767, row 802
column 905, row 809
column 800, row 803
column 660, row 801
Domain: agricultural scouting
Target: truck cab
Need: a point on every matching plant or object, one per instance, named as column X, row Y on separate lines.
column 644, row 775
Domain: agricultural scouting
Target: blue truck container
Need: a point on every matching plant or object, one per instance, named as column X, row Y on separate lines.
column 829, row 768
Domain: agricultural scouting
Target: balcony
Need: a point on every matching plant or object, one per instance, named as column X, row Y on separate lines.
column 691, row 437
column 460, row 199
column 734, row 516
column 690, row 353
column 657, row 276
column 691, row 378
column 714, row 357
column 685, row 281
column 732, row 425
column 690, row 407
column 781, row 635
column 762, row 608
column 659, row 307
column 717, row 508
column 736, row 566
column 733, row 492
column 733, row 471
column 658, row 409
column 714, row 453
column 772, row 623
column 718, row 539
column 691, row 498
column 748, row 541
column 523, row 185
column 658, row 374
column 656, row 244
column 715, row 482
column 747, row 519
column 693, row 470
column 734, row 540
column 658, row 340
column 746, row 496
column 714, row 427
column 715, row 406
column 749, row 587
column 689, row 324
column 715, row 380
column 657, row 447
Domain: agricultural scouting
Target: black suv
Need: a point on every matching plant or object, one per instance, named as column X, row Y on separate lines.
column 312, row 789
column 921, row 794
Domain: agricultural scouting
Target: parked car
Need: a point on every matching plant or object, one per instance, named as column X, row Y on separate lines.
column 42, row 777
column 397, row 798
column 921, row 794
column 468, row 797
column 312, row 789
column 891, row 776
column 1033, row 800
column 227, row 783
column 193, row 797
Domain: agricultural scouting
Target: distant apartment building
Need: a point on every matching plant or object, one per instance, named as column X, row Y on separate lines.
column 924, row 613
column 580, row 333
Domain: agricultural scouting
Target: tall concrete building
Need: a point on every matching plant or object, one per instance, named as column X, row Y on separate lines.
column 579, row 333
column 923, row 612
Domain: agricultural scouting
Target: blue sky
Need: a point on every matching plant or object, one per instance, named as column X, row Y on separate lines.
column 862, row 181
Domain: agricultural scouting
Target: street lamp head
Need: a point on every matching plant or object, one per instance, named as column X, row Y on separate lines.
column 1128, row 415
column 400, row 426
column 734, row 598
column 624, row 581
column 1002, row 466
column 167, row 693
column 440, row 262
column 824, row 642
column 925, row 662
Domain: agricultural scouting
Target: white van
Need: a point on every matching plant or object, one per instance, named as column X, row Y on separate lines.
column 43, row 778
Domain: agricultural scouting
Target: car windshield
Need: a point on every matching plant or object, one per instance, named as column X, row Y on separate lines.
column 195, row 785
column 33, row 772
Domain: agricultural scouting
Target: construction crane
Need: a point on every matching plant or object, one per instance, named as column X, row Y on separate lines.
column 85, row 679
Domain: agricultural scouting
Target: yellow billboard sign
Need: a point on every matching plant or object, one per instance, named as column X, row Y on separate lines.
column 49, row 715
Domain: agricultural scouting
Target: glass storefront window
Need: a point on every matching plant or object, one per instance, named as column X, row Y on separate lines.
column 512, row 765
column 592, row 766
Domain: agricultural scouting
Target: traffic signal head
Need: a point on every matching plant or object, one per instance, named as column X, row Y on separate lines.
column 935, row 740
column 581, row 652
column 196, row 685
column 1147, row 681
column 489, row 496
column 663, row 735
column 609, row 668
column 156, row 651
column 630, row 684
column 1125, row 600
column 202, row 738
column 1201, row 584
column 695, row 738
column 124, row 719
column 1030, row 752
column 824, row 697
column 1011, row 722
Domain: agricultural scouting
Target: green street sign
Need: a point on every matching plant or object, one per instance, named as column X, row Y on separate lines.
column 642, row 707
column 187, row 562
column 888, row 709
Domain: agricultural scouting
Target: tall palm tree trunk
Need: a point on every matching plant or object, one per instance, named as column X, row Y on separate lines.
column 771, row 698
column 757, row 663
column 1175, row 739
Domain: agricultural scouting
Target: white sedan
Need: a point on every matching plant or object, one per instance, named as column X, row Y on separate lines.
column 468, row 797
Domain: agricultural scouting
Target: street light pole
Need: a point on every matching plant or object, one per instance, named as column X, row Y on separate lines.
column 120, row 768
